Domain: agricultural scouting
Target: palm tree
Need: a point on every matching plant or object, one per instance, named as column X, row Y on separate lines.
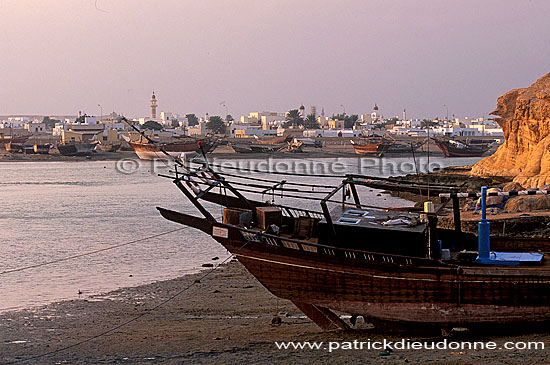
column 310, row 122
column 216, row 124
column 293, row 118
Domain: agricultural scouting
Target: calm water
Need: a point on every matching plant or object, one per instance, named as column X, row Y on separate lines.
column 52, row 210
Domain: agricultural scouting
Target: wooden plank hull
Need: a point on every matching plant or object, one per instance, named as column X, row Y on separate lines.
column 449, row 150
column 429, row 296
column 383, row 287
column 149, row 151
column 371, row 149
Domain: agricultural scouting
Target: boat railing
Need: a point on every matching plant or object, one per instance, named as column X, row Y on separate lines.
column 290, row 243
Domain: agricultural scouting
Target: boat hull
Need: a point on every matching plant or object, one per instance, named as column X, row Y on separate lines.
column 451, row 151
column 76, row 149
column 373, row 149
column 435, row 297
column 149, row 151
column 384, row 287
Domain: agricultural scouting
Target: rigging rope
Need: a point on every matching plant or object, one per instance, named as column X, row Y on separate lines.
column 278, row 185
column 276, row 181
column 136, row 317
column 412, row 209
column 91, row 252
column 274, row 172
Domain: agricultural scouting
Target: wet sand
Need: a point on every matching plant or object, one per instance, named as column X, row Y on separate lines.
column 224, row 319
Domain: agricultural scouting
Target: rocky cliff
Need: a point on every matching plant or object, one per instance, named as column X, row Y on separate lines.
column 524, row 115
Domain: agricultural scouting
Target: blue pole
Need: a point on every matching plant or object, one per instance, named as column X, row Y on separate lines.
column 483, row 228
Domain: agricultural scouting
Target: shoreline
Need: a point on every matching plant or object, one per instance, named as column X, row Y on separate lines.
column 114, row 156
column 225, row 318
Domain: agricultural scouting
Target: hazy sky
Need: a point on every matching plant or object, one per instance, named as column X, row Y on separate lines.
column 62, row 56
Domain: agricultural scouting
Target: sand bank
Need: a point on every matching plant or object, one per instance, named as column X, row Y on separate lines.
column 226, row 318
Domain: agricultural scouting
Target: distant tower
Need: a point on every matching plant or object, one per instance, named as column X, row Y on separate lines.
column 323, row 112
column 314, row 110
column 153, row 106
column 404, row 114
column 375, row 108
column 302, row 110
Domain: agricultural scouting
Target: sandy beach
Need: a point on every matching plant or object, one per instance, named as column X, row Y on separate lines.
column 225, row 318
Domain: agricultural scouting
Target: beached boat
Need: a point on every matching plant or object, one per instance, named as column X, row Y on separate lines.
column 258, row 145
column 76, row 148
column 28, row 149
column 188, row 147
column 386, row 264
column 404, row 146
column 109, row 147
column 4, row 140
column 13, row 147
column 371, row 147
column 41, row 149
column 454, row 148
column 379, row 145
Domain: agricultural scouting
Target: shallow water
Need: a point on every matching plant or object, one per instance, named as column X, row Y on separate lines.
column 52, row 210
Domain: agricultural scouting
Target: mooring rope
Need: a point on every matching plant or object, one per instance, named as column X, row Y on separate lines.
column 136, row 317
column 90, row 252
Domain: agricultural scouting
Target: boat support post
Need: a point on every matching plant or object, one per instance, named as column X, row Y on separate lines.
column 322, row 317
column 355, row 195
column 456, row 215
column 326, row 212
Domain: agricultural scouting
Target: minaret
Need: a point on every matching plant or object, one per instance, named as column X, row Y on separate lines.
column 153, row 106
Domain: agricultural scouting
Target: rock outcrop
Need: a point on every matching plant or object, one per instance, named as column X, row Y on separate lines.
column 524, row 115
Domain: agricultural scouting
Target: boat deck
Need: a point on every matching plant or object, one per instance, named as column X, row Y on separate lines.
column 376, row 219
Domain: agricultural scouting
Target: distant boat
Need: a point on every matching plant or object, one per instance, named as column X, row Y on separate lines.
column 31, row 149
column 76, row 148
column 249, row 147
column 454, row 148
column 14, row 147
column 372, row 146
column 13, row 139
column 109, row 147
column 404, row 146
column 378, row 145
column 153, row 151
column 41, row 149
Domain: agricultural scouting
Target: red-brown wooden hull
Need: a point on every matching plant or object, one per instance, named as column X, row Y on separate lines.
column 419, row 296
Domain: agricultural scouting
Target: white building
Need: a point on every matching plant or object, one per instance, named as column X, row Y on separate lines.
column 256, row 117
column 197, row 130
column 271, row 121
column 167, row 118
column 35, row 127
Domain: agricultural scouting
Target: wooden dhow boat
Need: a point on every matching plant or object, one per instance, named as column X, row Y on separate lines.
column 454, row 148
column 186, row 147
column 385, row 264
column 371, row 146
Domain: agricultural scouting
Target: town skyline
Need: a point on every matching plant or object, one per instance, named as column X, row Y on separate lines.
column 61, row 57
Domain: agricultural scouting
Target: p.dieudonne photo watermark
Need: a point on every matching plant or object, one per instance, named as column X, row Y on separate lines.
column 330, row 166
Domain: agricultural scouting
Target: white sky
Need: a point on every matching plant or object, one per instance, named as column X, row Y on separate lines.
column 62, row 56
